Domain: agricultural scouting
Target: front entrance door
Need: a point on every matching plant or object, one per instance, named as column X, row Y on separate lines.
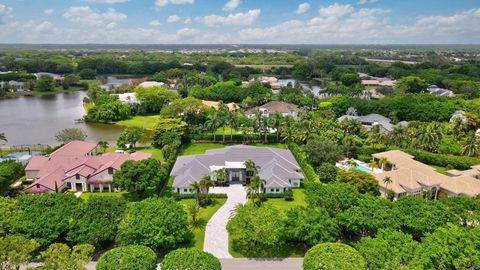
column 78, row 187
column 235, row 176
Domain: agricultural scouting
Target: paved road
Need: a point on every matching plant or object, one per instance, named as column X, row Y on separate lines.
column 233, row 264
column 262, row 264
column 216, row 235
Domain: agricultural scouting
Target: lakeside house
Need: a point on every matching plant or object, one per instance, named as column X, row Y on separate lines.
column 128, row 98
column 379, row 82
column 151, row 84
column 55, row 77
column 277, row 167
column 76, row 167
column 370, row 120
column 410, row 177
column 232, row 106
column 272, row 107
column 271, row 82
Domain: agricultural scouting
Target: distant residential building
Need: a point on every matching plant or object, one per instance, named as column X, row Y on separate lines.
column 14, row 86
column 54, row 76
column 271, row 82
column 232, row 106
column 77, row 167
column 371, row 120
column 379, row 82
column 278, row 168
column 441, row 92
column 150, row 84
column 272, row 107
column 128, row 98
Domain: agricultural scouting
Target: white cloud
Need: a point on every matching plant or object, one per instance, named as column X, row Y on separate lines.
column 105, row 1
column 363, row 2
column 85, row 16
column 48, row 12
column 173, row 18
column 162, row 3
column 302, row 8
column 233, row 19
column 154, row 23
column 5, row 14
column 187, row 20
column 336, row 10
column 232, row 4
column 185, row 32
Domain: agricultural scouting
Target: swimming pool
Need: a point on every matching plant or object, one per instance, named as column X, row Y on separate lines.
column 359, row 167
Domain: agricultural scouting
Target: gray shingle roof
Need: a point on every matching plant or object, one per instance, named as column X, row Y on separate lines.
column 277, row 166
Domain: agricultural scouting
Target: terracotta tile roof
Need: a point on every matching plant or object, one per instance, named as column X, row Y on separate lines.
column 65, row 163
column 410, row 175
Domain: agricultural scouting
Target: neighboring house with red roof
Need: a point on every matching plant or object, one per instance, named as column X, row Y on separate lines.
column 77, row 167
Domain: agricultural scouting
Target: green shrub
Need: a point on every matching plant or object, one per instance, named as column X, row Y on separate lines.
column 190, row 259
column 288, row 195
column 132, row 257
column 333, row 256
column 442, row 160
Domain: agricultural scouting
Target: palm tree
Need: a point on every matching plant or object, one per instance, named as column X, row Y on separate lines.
column 233, row 121
column 3, row 137
column 196, row 187
column 251, row 166
column 253, row 189
column 471, row 145
column 221, row 175
column 223, row 113
column 103, row 145
column 205, row 185
column 213, row 123
column 373, row 165
column 384, row 162
column 193, row 210
column 288, row 129
column 374, row 136
column 276, row 122
column 430, row 136
column 387, row 181
column 351, row 163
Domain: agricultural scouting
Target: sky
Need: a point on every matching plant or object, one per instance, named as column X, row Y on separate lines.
column 240, row 21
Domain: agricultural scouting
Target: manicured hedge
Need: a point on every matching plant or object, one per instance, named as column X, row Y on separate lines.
column 443, row 160
column 190, row 259
column 235, row 137
column 132, row 257
column 307, row 169
column 333, row 256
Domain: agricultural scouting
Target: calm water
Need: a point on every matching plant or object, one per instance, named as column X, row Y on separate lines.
column 36, row 120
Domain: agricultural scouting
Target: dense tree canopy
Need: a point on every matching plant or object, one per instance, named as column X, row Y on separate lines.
column 45, row 218
column 153, row 99
column 329, row 256
column 70, row 134
column 138, row 176
column 190, row 259
column 365, row 182
column 156, row 223
column 16, row 250
column 10, row 171
column 96, row 221
column 61, row 256
column 131, row 257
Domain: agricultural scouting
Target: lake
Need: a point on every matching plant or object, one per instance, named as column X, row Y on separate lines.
column 36, row 119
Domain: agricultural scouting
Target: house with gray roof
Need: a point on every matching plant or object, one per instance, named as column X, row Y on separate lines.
column 370, row 120
column 272, row 107
column 278, row 168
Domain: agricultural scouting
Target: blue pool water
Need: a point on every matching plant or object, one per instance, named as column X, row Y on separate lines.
column 360, row 168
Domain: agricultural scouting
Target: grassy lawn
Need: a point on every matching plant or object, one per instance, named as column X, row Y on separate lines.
column 204, row 216
column 147, row 122
column 200, row 148
column 227, row 131
column 156, row 153
column 280, row 203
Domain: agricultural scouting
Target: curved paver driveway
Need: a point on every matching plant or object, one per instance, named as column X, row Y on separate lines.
column 216, row 235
